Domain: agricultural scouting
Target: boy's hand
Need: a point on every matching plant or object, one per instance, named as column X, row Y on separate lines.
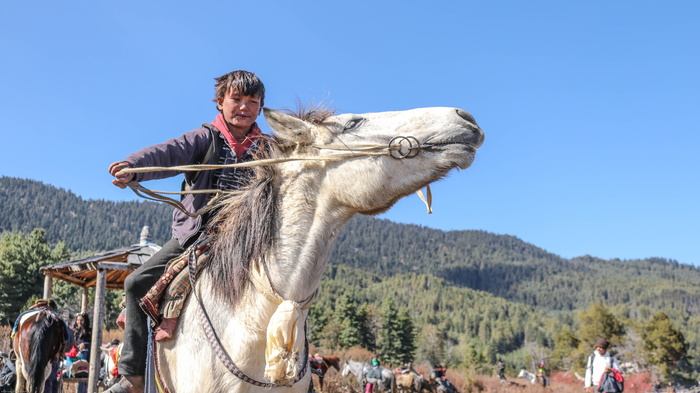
column 115, row 169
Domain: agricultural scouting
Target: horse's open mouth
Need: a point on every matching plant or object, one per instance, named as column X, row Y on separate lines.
column 431, row 146
column 472, row 140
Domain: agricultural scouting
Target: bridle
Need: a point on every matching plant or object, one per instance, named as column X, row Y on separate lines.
column 400, row 147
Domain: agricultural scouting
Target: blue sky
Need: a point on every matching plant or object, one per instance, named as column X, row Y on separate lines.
column 590, row 108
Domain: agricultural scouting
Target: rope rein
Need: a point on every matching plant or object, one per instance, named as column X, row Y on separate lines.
column 399, row 147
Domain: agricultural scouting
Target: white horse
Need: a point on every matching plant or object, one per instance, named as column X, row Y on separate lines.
column 524, row 374
column 533, row 378
column 273, row 239
column 387, row 382
column 109, row 366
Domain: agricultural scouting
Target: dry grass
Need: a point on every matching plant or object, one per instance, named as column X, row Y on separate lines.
column 109, row 335
column 560, row 382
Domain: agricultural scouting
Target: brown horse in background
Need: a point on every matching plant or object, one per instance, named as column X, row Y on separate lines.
column 38, row 342
column 322, row 364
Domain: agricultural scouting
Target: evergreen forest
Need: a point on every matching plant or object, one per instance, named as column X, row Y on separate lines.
column 408, row 293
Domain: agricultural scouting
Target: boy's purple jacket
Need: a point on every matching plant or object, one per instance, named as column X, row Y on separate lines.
column 190, row 148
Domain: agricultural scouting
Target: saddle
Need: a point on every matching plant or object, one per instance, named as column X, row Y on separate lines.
column 115, row 353
column 164, row 301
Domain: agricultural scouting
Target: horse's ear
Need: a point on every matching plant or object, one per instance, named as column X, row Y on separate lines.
column 287, row 127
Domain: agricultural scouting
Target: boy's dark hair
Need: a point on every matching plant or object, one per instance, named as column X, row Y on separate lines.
column 244, row 82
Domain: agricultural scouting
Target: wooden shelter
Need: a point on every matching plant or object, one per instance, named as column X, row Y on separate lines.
column 103, row 271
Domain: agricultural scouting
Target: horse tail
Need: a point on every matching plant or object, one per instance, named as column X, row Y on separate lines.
column 40, row 357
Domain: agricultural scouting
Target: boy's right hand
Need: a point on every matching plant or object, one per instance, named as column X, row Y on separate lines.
column 115, row 169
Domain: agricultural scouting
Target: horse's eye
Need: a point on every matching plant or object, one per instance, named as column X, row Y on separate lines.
column 352, row 124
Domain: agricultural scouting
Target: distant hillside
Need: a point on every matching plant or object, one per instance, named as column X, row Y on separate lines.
column 502, row 265
column 507, row 267
column 383, row 257
column 85, row 225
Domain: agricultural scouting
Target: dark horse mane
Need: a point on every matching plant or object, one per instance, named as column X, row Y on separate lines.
column 244, row 225
column 46, row 344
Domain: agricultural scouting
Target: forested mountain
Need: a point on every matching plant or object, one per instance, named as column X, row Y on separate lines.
column 495, row 291
column 509, row 268
column 85, row 225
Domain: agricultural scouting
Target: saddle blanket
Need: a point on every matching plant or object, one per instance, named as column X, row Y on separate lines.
column 24, row 316
column 165, row 299
column 404, row 379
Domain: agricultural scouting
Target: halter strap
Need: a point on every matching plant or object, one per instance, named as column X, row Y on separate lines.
column 267, row 289
column 216, row 342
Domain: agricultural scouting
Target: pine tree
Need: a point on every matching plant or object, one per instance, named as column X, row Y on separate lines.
column 595, row 323
column 351, row 325
column 390, row 334
column 431, row 345
column 665, row 347
column 21, row 256
column 407, row 337
column 368, row 336
column 472, row 357
column 565, row 343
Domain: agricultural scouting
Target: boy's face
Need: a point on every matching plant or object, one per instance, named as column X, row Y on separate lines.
column 240, row 112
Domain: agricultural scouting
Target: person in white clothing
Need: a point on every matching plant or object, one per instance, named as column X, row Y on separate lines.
column 598, row 363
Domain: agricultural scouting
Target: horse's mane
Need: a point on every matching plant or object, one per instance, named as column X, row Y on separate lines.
column 243, row 227
column 314, row 113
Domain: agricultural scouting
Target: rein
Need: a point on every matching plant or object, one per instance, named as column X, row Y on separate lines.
column 216, row 342
column 398, row 148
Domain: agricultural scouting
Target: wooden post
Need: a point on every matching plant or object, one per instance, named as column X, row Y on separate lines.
column 48, row 286
column 84, row 301
column 97, row 323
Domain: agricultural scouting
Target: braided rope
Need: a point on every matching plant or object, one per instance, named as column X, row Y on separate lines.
column 218, row 347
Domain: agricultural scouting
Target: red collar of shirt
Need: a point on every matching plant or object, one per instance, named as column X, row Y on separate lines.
column 239, row 147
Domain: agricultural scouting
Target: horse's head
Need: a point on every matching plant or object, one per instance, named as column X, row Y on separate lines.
column 381, row 157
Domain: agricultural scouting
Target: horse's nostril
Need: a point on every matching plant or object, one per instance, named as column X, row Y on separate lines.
column 465, row 115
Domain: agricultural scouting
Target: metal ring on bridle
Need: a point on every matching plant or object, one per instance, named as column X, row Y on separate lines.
column 404, row 147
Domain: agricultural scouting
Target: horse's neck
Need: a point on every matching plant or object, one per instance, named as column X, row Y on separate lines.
column 307, row 229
